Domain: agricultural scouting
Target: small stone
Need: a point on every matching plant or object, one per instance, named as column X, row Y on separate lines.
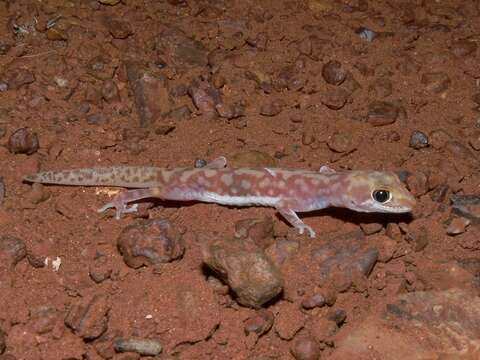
column 12, row 250
column 366, row 34
column 258, row 230
column 334, row 73
column 109, row 2
column 439, row 194
column 459, row 150
column 419, row 235
column 418, row 140
column 381, row 88
column 458, row 225
column 371, row 228
column 342, row 142
column 43, row 320
column 338, row 316
column 474, row 141
column 101, row 67
column 230, row 111
column 281, row 250
column 462, row 48
column 146, row 347
column 96, row 119
column 322, row 329
column 335, row 98
column 382, row 113
column 88, row 317
column 436, row 82
column 16, row 78
column 150, row 242
column 393, row 136
column 23, row 141
column 289, row 321
column 246, row 270
column 305, row 348
column 272, row 108
column 417, row 183
column 260, row 323
column 110, row 91
column 313, row 301
column 180, row 113
column 205, row 97
column 438, row 139
column 100, row 270
column 200, row 163
column 119, row 29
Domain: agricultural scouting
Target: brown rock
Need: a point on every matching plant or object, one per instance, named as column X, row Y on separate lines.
column 333, row 73
column 119, row 29
column 88, row 317
column 101, row 67
column 458, row 225
column 417, row 183
column 16, row 78
column 313, row 301
column 205, row 97
column 438, row 138
column 43, row 320
column 321, row 328
column 272, row 108
column 381, row 88
column 462, row 48
column 150, row 242
column 281, row 250
column 258, row 230
column 436, row 82
column 246, row 270
column 146, row 347
column 23, row 141
column 12, row 250
column 382, row 113
column 418, row 140
column 335, row 98
column 289, row 321
column 110, row 91
column 259, row 323
column 343, row 142
column 305, row 348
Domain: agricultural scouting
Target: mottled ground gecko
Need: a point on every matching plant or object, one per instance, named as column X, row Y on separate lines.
column 288, row 191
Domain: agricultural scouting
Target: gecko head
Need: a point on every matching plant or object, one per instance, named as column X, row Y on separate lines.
column 377, row 191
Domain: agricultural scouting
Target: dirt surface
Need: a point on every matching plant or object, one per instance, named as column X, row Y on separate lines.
column 387, row 85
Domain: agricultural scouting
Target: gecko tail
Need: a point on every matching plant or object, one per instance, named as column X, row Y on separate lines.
column 124, row 176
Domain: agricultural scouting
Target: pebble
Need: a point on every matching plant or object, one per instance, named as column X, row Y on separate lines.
column 371, row 228
column 23, row 141
column 289, row 320
column 382, row 113
column 418, row 140
column 436, row 82
column 439, row 193
column 101, row 67
column 246, row 269
column 180, row 49
column 119, row 29
column 17, row 78
column 334, row 73
column 109, row 2
column 12, row 250
column 43, row 320
column 338, row 316
column 87, row 317
column 417, row 183
column 146, row 347
column 272, row 108
column 258, row 230
column 110, row 92
column 438, row 138
column 418, row 234
column 343, row 142
column 150, row 242
column 474, row 141
column 305, row 348
column 230, row 111
column 366, row 34
column 322, row 329
column 381, row 88
column 205, row 97
column 200, row 163
column 260, row 323
column 458, row 225
column 466, row 205
column 463, row 47
column 313, row 301
column 335, row 98
column 281, row 250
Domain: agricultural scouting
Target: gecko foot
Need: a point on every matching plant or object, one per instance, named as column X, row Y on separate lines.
column 301, row 229
column 120, row 208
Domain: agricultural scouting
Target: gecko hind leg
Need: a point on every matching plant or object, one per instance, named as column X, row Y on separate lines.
column 296, row 222
column 120, row 201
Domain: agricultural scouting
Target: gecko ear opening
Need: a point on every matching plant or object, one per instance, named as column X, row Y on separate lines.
column 381, row 196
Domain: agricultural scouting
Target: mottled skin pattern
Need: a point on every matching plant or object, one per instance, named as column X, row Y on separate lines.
column 289, row 191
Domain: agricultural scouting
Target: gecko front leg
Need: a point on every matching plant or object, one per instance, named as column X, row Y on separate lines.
column 295, row 221
column 121, row 200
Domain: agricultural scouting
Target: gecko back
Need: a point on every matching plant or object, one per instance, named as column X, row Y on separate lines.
column 123, row 176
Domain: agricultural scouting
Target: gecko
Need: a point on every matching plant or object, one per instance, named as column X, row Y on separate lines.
column 288, row 191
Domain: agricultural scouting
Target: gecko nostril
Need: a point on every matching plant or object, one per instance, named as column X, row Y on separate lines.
column 381, row 196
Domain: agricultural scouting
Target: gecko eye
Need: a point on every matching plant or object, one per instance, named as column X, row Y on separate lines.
column 381, row 196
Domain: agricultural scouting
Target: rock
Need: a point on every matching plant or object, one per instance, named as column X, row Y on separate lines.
column 439, row 138
column 245, row 268
column 258, row 230
column 12, row 250
column 205, row 97
column 463, row 47
column 458, row 225
column 110, row 92
column 436, row 82
column 88, row 317
column 259, row 323
column 109, row 2
column 272, row 108
column 338, row 316
column 474, row 141
column 230, row 111
column 417, row 183
column 305, row 348
column 23, row 141
column 418, row 234
column 281, row 250
column 43, row 320
column 418, row 140
column 381, row 88
column 289, row 321
column 333, row 73
column 382, row 113
column 343, row 142
column 335, row 98
column 313, row 301
column 371, row 228
column 145, row 347
column 321, row 328
column 101, row 67
column 150, row 93
column 366, row 34
column 252, row 158
column 459, row 150
column 150, row 242
column 119, row 29
column 17, row 78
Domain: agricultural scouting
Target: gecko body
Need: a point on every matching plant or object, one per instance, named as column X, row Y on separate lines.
column 288, row 191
